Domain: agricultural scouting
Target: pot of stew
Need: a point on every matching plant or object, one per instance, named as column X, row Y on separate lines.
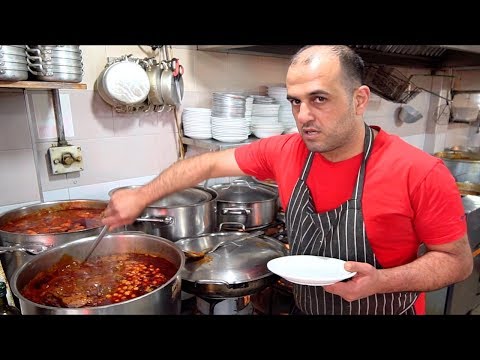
column 48, row 224
column 127, row 274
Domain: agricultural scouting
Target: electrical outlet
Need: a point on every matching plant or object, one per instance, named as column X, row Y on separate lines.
column 65, row 159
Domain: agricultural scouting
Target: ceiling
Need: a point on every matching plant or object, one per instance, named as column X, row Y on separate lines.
column 418, row 56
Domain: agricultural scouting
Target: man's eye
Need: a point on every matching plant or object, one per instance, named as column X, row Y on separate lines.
column 320, row 99
column 294, row 101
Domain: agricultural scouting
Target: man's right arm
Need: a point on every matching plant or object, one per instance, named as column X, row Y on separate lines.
column 126, row 205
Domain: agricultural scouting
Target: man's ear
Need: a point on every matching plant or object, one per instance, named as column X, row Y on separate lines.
column 361, row 97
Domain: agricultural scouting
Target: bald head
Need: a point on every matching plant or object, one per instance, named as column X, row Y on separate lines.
column 351, row 64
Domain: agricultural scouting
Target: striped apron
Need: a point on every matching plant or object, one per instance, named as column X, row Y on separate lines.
column 338, row 233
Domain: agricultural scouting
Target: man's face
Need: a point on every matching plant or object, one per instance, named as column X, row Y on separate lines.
column 323, row 110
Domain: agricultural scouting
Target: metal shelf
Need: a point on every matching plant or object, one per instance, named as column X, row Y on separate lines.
column 213, row 145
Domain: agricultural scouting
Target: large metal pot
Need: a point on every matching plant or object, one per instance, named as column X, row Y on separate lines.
column 164, row 300
column 247, row 204
column 12, row 261
column 234, row 269
column 189, row 212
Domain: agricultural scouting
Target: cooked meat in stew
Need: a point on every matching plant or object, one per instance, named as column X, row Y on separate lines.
column 47, row 221
column 100, row 281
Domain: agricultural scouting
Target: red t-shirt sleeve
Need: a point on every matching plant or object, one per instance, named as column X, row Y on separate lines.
column 255, row 159
column 439, row 213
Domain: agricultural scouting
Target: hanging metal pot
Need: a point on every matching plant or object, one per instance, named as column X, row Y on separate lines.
column 154, row 72
column 171, row 81
column 123, row 82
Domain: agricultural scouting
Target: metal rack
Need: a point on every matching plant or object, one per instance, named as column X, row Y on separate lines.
column 390, row 84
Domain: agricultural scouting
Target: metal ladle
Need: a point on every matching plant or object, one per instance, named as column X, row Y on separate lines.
column 96, row 242
column 200, row 254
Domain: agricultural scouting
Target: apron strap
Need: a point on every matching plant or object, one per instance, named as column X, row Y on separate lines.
column 367, row 146
column 306, row 167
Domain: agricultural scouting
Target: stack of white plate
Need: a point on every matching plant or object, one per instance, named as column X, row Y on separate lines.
column 228, row 117
column 265, row 117
column 267, row 130
column 228, row 105
column 196, row 123
column 285, row 116
column 229, row 129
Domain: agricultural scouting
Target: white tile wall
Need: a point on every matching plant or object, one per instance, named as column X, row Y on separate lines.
column 94, row 61
column 92, row 117
column 4, row 209
column 14, row 128
column 55, row 195
column 123, row 157
column 18, row 177
column 210, row 71
column 95, row 191
column 44, row 116
column 100, row 191
column 144, row 123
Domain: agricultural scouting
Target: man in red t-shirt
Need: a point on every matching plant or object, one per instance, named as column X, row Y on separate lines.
column 350, row 191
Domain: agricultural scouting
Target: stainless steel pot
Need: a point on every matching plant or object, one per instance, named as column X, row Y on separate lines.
column 164, row 300
column 247, row 204
column 12, row 261
column 154, row 72
column 9, row 58
column 189, row 212
column 13, row 75
column 12, row 50
column 233, row 270
column 125, row 70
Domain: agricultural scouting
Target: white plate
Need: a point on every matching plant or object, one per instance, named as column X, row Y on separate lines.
column 309, row 269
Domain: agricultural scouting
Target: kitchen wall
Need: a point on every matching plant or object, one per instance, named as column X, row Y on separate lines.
column 125, row 149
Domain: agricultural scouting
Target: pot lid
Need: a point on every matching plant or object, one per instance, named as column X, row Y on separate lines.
column 244, row 192
column 271, row 183
column 186, row 197
column 232, row 263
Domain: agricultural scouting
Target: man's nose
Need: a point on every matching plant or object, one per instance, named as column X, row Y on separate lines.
column 304, row 114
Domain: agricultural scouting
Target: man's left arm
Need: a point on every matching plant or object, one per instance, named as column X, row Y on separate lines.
column 440, row 266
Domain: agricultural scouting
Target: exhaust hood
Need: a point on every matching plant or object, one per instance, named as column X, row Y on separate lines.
column 417, row 56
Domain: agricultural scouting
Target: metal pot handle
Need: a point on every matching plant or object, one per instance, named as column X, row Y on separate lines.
column 239, row 181
column 30, row 249
column 166, row 220
column 243, row 181
column 242, row 226
column 236, row 211
column 33, row 50
column 213, row 282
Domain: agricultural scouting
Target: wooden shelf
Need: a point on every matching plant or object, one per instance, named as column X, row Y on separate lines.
column 41, row 85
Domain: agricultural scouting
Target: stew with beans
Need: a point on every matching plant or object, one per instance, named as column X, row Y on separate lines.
column 48, row 221
column 103, row 280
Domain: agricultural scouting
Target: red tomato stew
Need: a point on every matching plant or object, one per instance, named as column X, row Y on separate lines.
column 48, row 221
column 102, row 280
